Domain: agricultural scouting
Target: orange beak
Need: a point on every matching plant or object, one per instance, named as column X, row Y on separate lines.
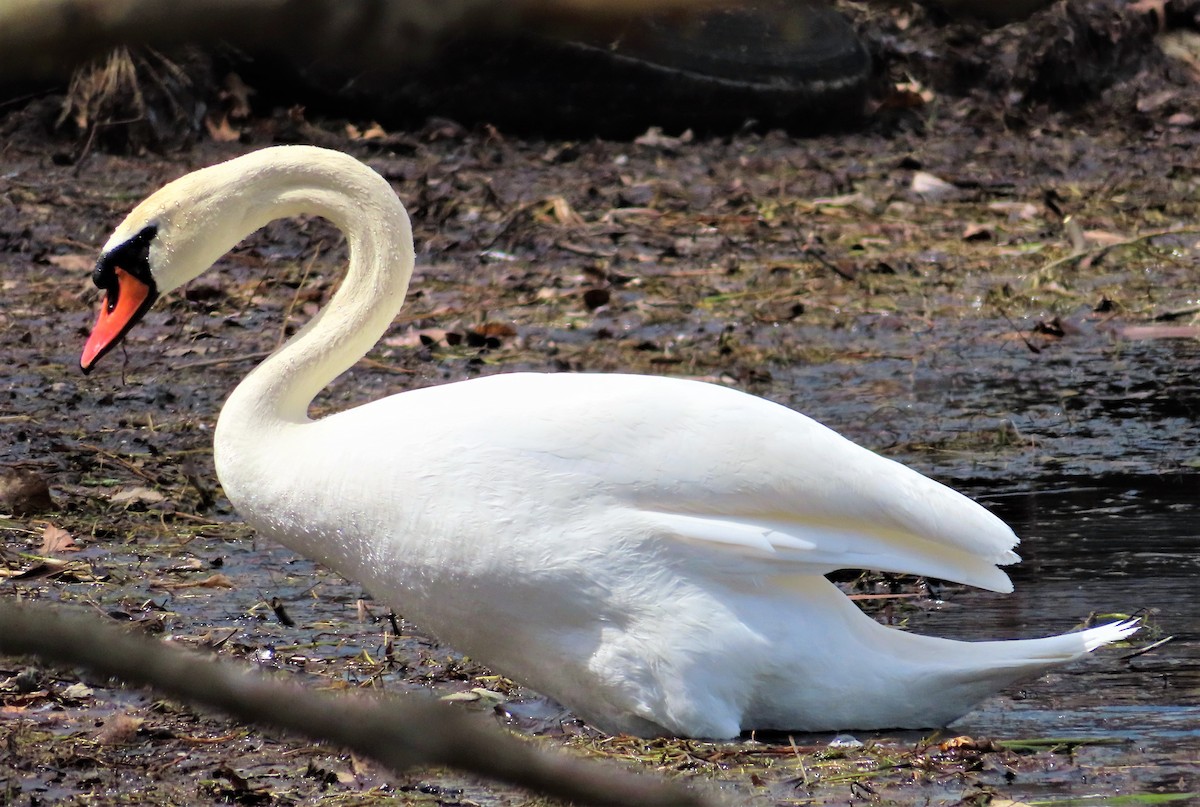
column 123, row 305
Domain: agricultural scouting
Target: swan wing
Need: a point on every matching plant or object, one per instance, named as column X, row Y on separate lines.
column 734, row 482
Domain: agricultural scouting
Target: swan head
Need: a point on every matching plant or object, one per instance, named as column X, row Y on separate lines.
column 185, row 227
column 171, row 237
column 127, row 282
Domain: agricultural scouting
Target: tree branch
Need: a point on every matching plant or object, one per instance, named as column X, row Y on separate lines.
column 399, row 733
column 40, row 38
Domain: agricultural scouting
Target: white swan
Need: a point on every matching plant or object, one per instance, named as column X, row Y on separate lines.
column 649, row 551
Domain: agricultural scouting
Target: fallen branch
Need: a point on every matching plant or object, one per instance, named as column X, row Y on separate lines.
column 40, row 38
column 398, row 733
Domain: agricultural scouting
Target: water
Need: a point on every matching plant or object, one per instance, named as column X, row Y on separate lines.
column 1129, row 546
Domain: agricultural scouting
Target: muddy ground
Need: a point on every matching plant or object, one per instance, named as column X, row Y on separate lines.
column 999, row 296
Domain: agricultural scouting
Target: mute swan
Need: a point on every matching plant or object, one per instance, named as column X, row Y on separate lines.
column 649, row 551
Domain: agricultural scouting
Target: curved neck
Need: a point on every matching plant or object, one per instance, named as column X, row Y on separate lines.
column 379, row 237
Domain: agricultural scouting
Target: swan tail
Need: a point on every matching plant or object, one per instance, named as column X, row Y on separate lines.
column 1107, row 634
column 1055, row 650
column 987, row 667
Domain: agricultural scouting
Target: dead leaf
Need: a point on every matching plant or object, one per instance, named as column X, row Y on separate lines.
column 213, row 581
column 561, row 211
column 654, row 138
column 1154, row 101
column 56, row 540
column 64, row 570
column 965, row 743
column 908, row 95
column 1016, row 211
column 360, row 766
column 977, row 232
column 1154, row 8
column 76, row 692
column 220, row 130
column 73, row 263
column 138, row 495
column 930, row 187
column 1183, row 46
column 1102, row 238
column 499, row 330
column 237, row 93
column 24, row 700
column 1161, row 332
column 372, row 132
column 857, row 200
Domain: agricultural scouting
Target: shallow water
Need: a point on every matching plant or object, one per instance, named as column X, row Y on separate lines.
column 976, row 402
column 1126, row 546
column 1088, row 449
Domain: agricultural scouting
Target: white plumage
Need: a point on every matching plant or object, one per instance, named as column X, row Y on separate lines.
column 647, row 550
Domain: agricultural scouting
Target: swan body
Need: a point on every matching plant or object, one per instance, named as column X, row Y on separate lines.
column 649, row 551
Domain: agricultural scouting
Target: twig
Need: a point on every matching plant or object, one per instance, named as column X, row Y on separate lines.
column 1032, row 347
column 121, row 461
column 397, row 733
column 1100, row 249
column 1143, row 650
column 262, row 354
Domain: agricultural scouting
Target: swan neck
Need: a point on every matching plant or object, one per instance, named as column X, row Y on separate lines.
column 364, row 207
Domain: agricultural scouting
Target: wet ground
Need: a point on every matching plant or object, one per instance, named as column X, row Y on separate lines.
column 1042, row 357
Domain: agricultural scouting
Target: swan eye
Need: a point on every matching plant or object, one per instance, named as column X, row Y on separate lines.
column 133, row 256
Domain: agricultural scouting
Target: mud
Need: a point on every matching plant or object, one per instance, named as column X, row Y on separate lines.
column 1026, row 331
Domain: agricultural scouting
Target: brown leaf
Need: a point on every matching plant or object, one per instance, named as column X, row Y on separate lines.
column 66, row 570
column 213, row 581
column 1016, row 211
column 977, row 232
column 220, row 130
column 1152, row 102
column 654, row 138
column 237, row 93
column 1103, row 238
column 372, row 132
column 930, row 187
column 965, row 743
column 1161, row 332
column 56, row 540
column 360, row 766
column 499, row 330
column 137, row 495
column 560, row 211
column 72, row 263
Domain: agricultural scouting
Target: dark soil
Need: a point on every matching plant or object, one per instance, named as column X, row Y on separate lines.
column 1054, row 266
